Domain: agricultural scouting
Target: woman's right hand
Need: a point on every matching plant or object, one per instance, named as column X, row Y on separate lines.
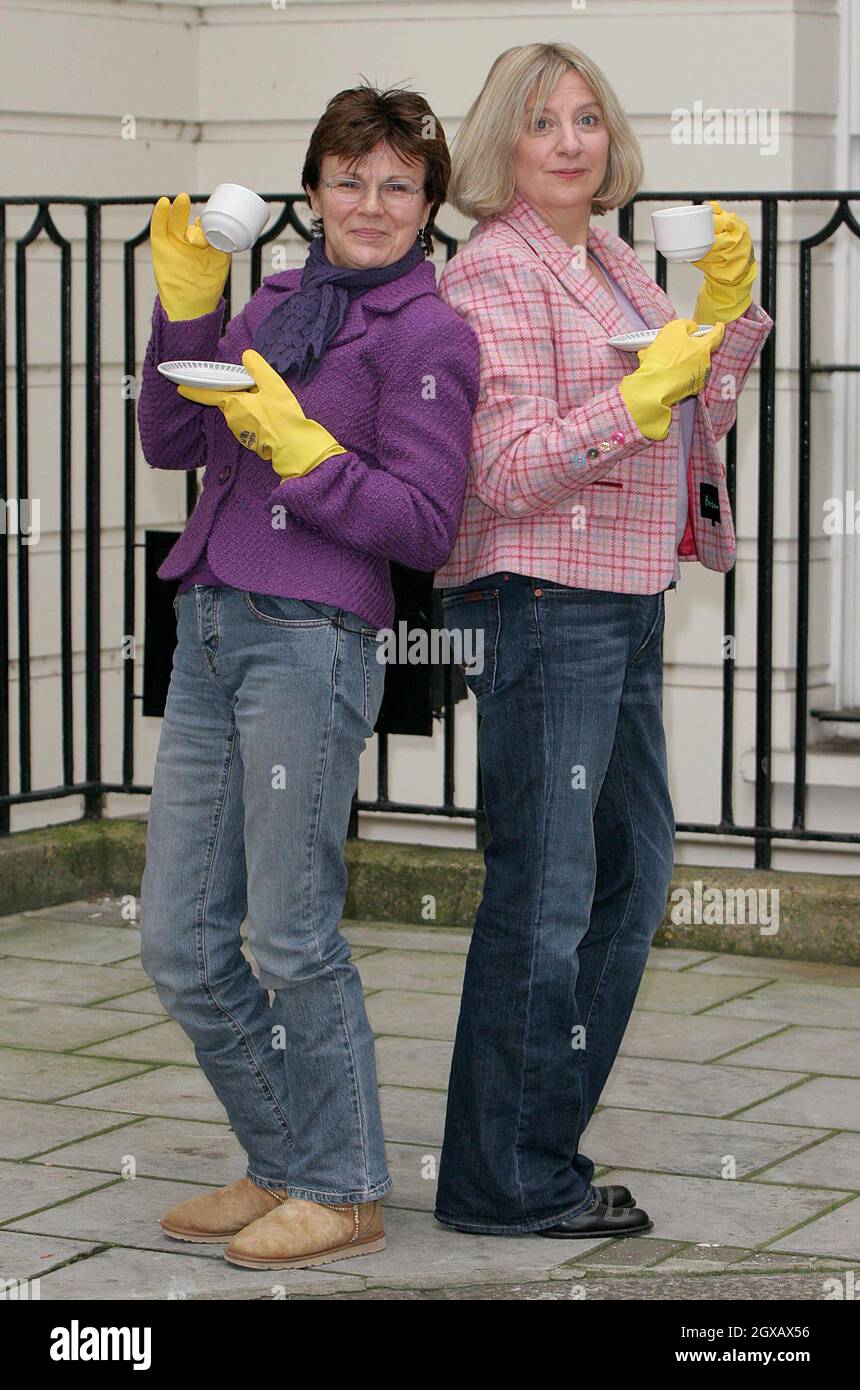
column 673, row 366
column 190, row 274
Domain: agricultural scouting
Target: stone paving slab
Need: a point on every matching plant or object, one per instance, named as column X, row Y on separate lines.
column 383, row 934
column 434, row 972
column 125, row 1213
column 411, row 1014
column 139, row 1001
column 627, row 1254
column 32, row 1257
column 682, row 992
column 152, row 1042
column 830, row 1102
column 413, row 1168
column 769, row 967
column 789, row 1001
column 834, row 1051
column 646, row 1084
column 688, row 1037
column 28, row 1075
column 68, row 941
column 412, row 1116
column 181, row 1149
column 413, row 1062
column 102, row 911
column 674, row 958
column 837, row 1233
column 26, row 1188
column 45, row 981
column 27, row 1127
column 151, row 1275
column 729, row 1212
column 833, row 1163
column 63, row 1027
column 710, row 1256
column 693, row 1144
column 182, row 1092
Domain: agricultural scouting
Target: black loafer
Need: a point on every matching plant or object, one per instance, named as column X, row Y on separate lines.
column 601, row 1221
column 616, row 1197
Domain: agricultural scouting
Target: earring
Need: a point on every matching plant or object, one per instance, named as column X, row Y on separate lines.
column 422, row 237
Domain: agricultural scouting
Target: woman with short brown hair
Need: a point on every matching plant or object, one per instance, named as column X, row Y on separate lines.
column 277, row 681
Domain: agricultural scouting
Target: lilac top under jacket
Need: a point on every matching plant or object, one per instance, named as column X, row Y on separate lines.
column 397, row 387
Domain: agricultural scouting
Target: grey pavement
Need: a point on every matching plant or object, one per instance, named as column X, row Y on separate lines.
column 732, row 1113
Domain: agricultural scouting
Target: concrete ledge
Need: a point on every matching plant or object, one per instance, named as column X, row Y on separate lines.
column 60, row 863
column 818, row 914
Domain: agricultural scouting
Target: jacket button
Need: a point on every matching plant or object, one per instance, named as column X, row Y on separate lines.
column 538, row 593
column 593, row 453
column 223, row 475
column 618, row 436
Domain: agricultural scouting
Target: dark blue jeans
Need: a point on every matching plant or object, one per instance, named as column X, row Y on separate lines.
column 578, row 870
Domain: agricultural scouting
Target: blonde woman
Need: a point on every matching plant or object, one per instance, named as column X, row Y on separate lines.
column 591, row 473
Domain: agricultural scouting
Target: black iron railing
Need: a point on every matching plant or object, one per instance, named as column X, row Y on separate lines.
column 94, row 786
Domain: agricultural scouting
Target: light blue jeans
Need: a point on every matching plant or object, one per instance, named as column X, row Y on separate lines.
column 270, row 703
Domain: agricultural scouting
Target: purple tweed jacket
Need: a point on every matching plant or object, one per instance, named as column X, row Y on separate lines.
column 397, row 387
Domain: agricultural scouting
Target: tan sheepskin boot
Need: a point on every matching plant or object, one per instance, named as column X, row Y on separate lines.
column 216, row 1216
column 301, row 1233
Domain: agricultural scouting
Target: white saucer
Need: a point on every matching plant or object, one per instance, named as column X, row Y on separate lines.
column 644, row 337
column 216, row 376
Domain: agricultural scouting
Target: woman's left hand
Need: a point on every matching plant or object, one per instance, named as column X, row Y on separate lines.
column 269, row 420
column 729, row 269
column 732, row 250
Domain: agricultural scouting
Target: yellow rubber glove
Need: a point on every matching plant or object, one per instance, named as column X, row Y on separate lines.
column 269, row 420
column 729, row 269
column 190, row 274
column 674, row 366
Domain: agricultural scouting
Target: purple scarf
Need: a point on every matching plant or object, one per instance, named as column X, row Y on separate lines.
column 293, row 337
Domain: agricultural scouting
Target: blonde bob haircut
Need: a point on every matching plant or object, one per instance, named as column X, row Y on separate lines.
column 482, row 178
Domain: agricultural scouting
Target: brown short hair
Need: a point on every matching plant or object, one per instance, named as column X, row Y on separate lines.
column 358, row 119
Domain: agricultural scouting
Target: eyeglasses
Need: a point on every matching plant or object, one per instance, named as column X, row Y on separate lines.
column 397, row 192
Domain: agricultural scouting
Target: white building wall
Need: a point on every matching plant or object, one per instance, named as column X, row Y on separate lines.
column 231, row 90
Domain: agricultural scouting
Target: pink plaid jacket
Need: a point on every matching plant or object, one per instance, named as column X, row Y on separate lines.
column 562, row 483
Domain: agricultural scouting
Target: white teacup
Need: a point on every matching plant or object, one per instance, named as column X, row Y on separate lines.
column 683, row 234
column 233, row 218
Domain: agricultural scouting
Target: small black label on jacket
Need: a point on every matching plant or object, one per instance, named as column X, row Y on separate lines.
column 709, row 503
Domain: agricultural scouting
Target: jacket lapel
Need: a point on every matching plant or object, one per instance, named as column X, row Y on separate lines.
column 644, row 293
column 615, row 255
